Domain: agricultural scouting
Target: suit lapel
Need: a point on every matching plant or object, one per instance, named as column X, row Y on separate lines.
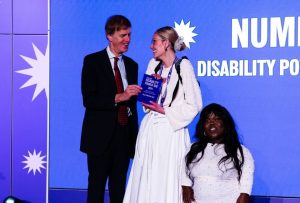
column 107, row 68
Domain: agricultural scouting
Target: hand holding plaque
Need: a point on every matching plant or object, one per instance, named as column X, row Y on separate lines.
column 151, row 89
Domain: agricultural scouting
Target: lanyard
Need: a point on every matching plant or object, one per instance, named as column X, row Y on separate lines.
column 163, row 96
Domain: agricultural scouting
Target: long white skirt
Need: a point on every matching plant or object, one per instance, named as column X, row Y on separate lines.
column 156, row 169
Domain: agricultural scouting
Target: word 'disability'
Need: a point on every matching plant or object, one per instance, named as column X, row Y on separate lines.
column 269, row 67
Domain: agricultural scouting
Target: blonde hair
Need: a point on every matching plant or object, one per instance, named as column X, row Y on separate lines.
column 169, row 33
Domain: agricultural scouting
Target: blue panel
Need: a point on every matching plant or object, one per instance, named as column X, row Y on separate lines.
column 30, row 118
column 30, row 17
column 6, row 16
column 5, row 114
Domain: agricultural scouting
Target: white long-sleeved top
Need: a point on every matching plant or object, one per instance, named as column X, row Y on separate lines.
column 216, row 183
column 183, row 109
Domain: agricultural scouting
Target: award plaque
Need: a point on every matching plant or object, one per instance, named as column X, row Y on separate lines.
column 151, row 89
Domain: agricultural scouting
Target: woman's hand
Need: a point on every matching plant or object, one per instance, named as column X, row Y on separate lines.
column 243, row 198
column 187, row 194
column 154, row 107
column 157, row 76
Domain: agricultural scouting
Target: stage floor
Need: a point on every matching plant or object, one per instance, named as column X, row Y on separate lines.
column 79, row 196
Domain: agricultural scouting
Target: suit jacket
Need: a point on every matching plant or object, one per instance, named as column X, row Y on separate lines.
column 98, row 89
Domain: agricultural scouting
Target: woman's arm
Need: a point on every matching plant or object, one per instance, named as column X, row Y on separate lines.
column 246, row 181
column 188, row 101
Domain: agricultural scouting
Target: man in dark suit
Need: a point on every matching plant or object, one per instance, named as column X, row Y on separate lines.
column 108, row 137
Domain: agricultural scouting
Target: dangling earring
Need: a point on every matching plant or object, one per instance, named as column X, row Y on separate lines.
column 204, row 134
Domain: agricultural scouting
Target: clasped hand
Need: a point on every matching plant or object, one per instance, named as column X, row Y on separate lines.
column 157, row 76
column 187, row 194
column 154, row 107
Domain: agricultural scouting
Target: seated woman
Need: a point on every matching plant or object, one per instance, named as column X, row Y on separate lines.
column 217, row 167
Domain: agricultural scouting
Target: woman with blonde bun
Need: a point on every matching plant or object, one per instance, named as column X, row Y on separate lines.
column 163, row 137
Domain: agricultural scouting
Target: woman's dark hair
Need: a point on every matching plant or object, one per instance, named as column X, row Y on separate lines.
column 231, row 141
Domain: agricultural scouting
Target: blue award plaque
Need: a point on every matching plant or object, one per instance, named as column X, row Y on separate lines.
column 151, row 89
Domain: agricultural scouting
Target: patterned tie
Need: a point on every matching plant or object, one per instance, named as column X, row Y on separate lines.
column 122, row 108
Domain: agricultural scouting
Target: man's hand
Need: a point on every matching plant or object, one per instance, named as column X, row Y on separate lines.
column 131, row 90
column 187, row 194
column 243, row 198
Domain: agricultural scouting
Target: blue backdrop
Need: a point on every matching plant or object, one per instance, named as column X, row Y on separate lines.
column 245, row 55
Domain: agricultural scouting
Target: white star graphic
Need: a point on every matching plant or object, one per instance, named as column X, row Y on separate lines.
column 39, row 72
column 34, row 162
column 185, row 31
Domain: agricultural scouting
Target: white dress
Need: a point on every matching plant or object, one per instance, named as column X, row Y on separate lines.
column 163, row 140
column 213, row 183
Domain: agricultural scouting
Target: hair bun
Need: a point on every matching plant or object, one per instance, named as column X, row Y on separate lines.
column 179, row 44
